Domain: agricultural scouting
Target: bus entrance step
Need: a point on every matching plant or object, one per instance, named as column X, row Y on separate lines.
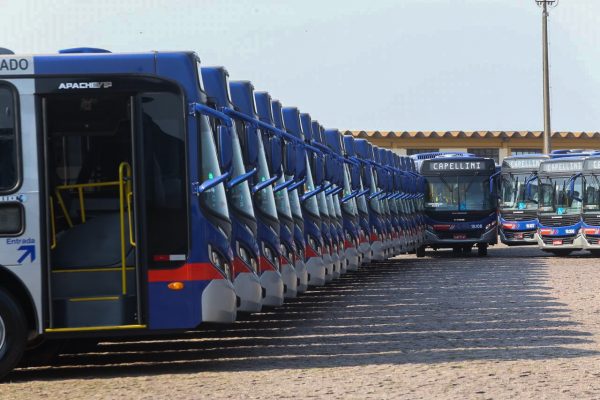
column 91, row 282
column 76, row 312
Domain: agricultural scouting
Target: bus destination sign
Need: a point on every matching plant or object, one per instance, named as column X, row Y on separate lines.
column 562, row 166
column 523, row 163
column 457, row 166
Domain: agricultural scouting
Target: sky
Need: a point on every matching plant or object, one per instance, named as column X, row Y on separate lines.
column 358, row 65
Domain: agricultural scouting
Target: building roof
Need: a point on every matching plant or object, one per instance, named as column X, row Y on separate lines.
column 470, row 134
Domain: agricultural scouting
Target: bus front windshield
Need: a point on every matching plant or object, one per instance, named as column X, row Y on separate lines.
column 265, row 201
column 513, row 196
column 350, row 205
column 555, row 197
column 213, row 199
column 282, row 200
column 458, row 193
column 591, row 197
column 310, row 204
column 241, row 200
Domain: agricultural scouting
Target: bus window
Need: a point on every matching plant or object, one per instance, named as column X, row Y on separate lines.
column 165, row 174
column 8, row 141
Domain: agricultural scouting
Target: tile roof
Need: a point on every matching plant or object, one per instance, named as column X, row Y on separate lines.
column 469, row 134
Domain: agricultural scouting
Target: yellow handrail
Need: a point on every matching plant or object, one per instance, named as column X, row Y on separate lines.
column 52, row 224
column 125, row 199
column 124, row 183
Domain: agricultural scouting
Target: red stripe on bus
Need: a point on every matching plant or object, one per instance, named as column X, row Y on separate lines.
column 187, row 272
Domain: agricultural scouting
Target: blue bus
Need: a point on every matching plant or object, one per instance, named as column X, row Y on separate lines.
column 591, row 204
column 560, row 187
column 115, row 215
column 243, row 218
column 460, row 203
column 518, row 199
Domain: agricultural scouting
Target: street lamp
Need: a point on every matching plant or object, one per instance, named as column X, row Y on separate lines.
column 544, row 5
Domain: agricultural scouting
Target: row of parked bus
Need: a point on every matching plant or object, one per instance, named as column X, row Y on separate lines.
column 552, row 201
column 144, row 193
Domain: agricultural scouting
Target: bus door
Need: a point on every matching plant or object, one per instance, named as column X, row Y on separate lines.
column 92, row 254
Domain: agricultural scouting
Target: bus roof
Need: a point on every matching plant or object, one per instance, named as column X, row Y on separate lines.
column 84, row 62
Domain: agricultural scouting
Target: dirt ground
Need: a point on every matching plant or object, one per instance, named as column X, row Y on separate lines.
column 518, row 324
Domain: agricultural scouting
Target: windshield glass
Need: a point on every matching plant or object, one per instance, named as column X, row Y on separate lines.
column 214, row 199
column 349, row 206
column 322, row 205
column 513, row 192
column 554, row 195
column 330, row 208
column 458, row 193
column 591, row 198
column 282, row 200
column 240, row 197
column 265, row 201
column 311, row 203
column 295, row 202
column 361, row 202
column 336, row 206
column 374, row 202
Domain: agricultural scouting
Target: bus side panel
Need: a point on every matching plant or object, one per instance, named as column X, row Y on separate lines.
column 22, row 254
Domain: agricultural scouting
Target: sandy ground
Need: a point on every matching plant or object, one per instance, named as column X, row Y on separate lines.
column 518, row 324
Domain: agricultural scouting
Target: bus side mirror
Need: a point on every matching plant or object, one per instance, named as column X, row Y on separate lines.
column 225, row 152
column 289, row 159
column 276, row 158
column 251, row 144
column 572, row 189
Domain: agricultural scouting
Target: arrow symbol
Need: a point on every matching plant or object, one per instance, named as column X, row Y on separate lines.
column 28, row 250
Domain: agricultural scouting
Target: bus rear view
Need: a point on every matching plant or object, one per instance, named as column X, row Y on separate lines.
column 460, row 203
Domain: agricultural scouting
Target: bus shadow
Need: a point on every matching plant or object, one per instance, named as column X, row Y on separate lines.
column 408, row 310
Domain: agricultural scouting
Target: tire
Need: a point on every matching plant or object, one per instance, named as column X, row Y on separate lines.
column 13, row 333
column 561, row 253
column 467, row 249
column 482, row 250
column 420, row 252
column 456, row 250
column 595, row 253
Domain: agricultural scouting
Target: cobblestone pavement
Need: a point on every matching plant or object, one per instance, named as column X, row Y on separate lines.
column 518, row 324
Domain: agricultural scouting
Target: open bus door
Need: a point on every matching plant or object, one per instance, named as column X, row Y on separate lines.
column 116, row 202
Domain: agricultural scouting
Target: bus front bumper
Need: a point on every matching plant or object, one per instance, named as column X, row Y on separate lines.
column 290, row 281
column 550, row 243
column 219, row 302
column 302, row 274
column 316, row 271
column 248, row 289
column 432, row 240
column 273, row 284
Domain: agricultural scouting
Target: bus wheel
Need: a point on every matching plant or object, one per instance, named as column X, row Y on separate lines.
column 456, row 250
column 13, row 333
column 467, row 249
column 482, row 250
column 420, row 251
column 595, row 253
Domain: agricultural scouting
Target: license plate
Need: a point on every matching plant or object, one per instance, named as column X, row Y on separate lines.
column 460, row 236
column 557, row 242
column 518, row 236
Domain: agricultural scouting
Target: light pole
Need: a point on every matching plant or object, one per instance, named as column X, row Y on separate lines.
column 545, row 4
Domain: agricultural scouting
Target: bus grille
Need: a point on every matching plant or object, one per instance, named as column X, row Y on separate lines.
column 519, row 216
column 562, row 220
column 510, row 235
column 592, row 220
column 593, row 240
column 565, row 239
